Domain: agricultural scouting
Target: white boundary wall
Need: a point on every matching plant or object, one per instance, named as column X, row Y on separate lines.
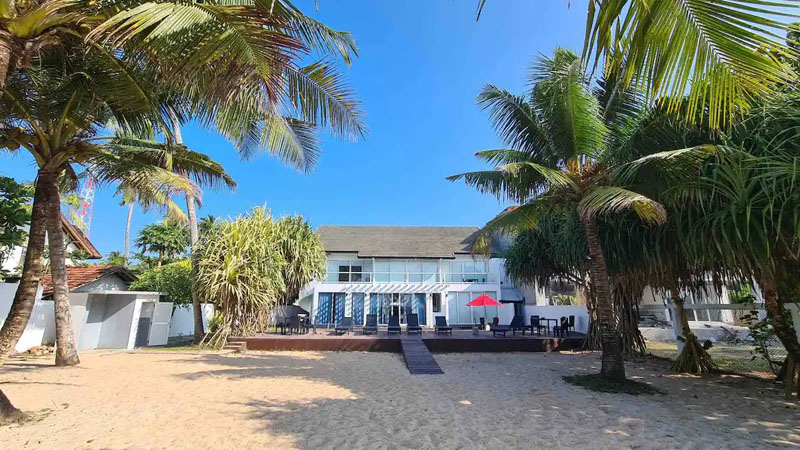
column 42, row 315
column 556, row 312
column 182, row 322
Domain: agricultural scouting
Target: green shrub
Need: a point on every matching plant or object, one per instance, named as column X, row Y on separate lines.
column 175, row 280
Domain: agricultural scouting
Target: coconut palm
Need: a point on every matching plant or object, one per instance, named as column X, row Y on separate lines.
column 233, row 66
column 561, row 160
column 54, row 111
column 725, row 54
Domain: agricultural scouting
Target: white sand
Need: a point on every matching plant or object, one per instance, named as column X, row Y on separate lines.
column 357, row 400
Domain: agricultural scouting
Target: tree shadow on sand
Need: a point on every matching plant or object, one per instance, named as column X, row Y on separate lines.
column 379, row 405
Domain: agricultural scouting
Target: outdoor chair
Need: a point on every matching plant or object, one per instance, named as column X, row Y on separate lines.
column 497, row 329
column 441, row 326
column 517, row 325
column 536, row 324
column 571, row 323
column 394, row 324
column 413, row 324
column 280, row 321
column 294, row 324
column 371, row 325
column 562, row 327
column 346, row 326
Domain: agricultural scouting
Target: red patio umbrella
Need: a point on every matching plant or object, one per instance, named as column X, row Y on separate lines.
column 484, row 300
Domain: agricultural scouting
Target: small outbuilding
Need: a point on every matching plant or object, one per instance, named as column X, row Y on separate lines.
column 106, row 315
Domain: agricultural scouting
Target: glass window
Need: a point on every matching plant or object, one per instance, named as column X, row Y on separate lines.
column 456, row 267
column 366, row 266
column 414, row 267
column 452, row 307
column 464, row 311
column 430, row 267
column 397, row 276
column 429, row 277
column 382, row 277
column 381, row 266
column 480, row 266
column 415, row 278
column 397, row 266
column 469, row 267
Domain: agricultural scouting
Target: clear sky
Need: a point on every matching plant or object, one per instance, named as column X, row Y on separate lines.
column 421, row 65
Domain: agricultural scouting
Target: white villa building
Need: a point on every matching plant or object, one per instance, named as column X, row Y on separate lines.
column 396, row 270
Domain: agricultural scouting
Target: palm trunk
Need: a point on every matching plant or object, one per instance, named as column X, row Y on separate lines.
column 8, row 413
column 6, row 52
column 66, row 352
column 31, row 272
column 128, row 233
column 194, row 236
column 160, row 259
column 613, row 365
column 775, row 311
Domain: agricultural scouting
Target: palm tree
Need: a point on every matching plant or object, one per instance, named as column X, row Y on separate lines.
column 53, row 110
column 560, row 160
column 166, row 240
column 234, row 67
column 197, row 167
column 303, row 252
column 722, row 53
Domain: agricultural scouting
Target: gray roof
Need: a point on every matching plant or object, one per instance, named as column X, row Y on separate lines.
column 398, row 242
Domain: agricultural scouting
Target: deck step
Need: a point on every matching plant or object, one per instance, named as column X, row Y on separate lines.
column 418, row 358
column 235, row 346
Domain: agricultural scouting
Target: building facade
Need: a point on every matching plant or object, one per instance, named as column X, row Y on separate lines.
column 388, row 270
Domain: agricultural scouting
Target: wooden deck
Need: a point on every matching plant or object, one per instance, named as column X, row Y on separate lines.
column 460, row 341
column 418, row 358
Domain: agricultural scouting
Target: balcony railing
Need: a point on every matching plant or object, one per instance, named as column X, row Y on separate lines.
column 389, row 277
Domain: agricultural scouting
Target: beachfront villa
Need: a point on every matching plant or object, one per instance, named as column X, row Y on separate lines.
column 399, row 270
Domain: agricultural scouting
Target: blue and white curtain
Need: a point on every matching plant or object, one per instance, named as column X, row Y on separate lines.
column 358, row 309
column 419, row 308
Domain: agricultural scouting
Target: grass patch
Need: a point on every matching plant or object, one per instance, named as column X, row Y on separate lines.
column 597, row 383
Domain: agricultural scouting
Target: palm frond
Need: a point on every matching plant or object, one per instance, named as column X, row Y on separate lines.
column 722, row 53
column 603, row 200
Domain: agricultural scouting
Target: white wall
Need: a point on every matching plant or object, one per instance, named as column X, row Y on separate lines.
column 117, row 321
column 182, row 322
column 89, row 335
column 556, row 312
column 41, row 316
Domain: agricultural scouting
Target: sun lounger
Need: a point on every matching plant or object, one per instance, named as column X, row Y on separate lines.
column 441, row 325
column 516, row 324
column 371, row 326
column 413, row 324
column 394, row 324
column 346, row 326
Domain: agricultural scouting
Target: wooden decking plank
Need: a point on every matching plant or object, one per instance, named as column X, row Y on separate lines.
column 418, row 358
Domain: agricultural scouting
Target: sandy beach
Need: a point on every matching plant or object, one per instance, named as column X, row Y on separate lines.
column 147, row 400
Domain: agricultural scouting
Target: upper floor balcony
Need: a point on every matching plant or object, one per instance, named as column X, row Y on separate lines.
column 375, row 270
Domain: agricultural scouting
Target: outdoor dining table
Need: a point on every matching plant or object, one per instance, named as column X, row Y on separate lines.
column 547, row 322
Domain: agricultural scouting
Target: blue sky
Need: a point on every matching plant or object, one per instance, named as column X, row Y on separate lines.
column 421, row 65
